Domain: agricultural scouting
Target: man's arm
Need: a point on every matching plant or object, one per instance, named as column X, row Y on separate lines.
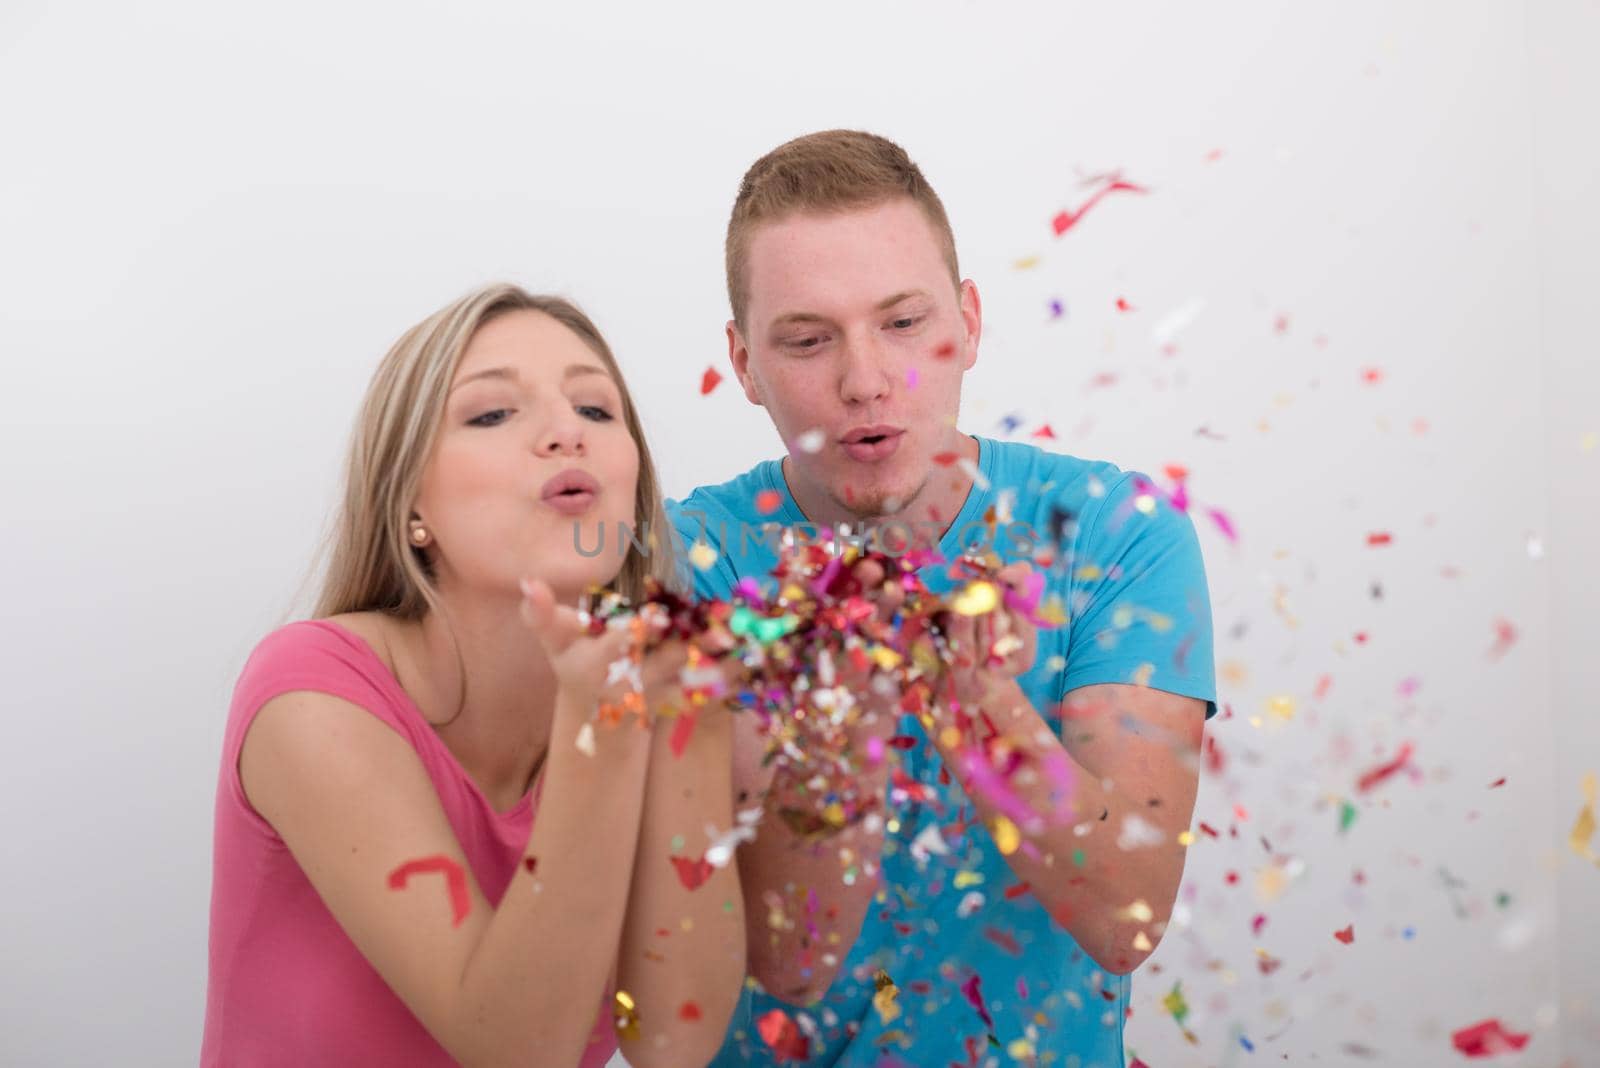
column 1106, row 859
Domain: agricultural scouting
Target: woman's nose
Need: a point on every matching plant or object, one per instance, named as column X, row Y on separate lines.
column 562, row 436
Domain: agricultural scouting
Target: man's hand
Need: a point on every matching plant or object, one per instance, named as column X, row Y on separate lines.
column 995, row 647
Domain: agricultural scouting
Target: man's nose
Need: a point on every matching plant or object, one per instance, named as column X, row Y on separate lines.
column 866, row 376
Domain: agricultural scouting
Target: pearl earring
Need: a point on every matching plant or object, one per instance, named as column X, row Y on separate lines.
column 419, row 534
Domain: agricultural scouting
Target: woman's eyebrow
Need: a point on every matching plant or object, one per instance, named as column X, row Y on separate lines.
column 573, row 371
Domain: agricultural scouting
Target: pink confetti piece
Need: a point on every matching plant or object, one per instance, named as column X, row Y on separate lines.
column 974, row 996
column 983, row 778
column 1066, row 220
column 455, row 880
column 1224, row 524
column 1505, row 636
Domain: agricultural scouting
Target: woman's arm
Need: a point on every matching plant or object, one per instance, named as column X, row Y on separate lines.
column 682, row 957
column 517, row 985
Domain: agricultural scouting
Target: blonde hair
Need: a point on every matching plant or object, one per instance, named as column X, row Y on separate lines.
column 372, row 566
column 831, row 171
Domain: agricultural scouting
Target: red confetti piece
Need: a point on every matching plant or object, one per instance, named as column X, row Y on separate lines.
column 945, row 459
column 530, row 864
column 945, row 351
column 1498, row 782
column 779, row 1032
column 1066, row 220
column 768, row 501
column 1380, row 538
column 1259, row 922
column 1044, row 432
column 1004, row 939
column 689, row 1012
column 1371, row 375
column 1487, row 1039
column 1017, row 890
column 455, row 879
column 1347, row 935
column 1383, row 771
column 1281, row 324
column 692, row 872
column 1323, row 685
column 1123, row 305
column 709, row 380
column 682, row 731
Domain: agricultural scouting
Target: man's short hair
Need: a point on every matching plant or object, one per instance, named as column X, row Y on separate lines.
column 831, row 171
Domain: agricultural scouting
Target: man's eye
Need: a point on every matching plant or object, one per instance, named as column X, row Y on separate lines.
column 479, row 421
column 803, row 343
column 595, row 413
column 906, row 322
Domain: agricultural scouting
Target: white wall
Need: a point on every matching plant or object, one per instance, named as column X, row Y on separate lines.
column 213, row 225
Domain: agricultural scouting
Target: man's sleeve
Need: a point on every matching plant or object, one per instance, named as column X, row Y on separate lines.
column 692, row 524
column 1139, row 610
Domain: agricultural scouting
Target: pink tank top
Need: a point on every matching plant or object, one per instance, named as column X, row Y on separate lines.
column 286, row 985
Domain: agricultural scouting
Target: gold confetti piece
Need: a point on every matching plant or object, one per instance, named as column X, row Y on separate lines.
column 979, row 598
column 1088, row 573
column 1583, row 827
column 950, row 737
column 964, row 879
column 1282, row 706
column 626, row 1017
column 1270, row 882
column 1139, row 911
column 883, row 999
column 1145, row 503
column 702, row 556
column 1056, row 663
column 1589, row 440
column 1006, row 835
column 1026, row 263
column 1186, row 838
column 1142, row 674
column 1054, row 613
column 1019, row 1049
column 1142, row 943
column 586, row 739
column 885, row 657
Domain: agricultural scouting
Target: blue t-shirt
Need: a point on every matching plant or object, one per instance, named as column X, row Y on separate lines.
column 1132, row 584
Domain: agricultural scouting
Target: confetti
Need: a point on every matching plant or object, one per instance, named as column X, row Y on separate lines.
column 781, row 1035
column 1057, row 309
column 1583, row 827
column 692, row 873
column 702, row 556
column 974, row 995
column 1378, row 774
column 1066, row 220
column 709, row 380
column 625, row 1016
column 1380, row 538
column 768, row 501
column 689, row 1012
column 1347, row 936
column 1505, row 636
column 884, row 997
column 1175, row 322
column 810, row 441
column 455, row 881
column 1045, row 433
column 585, row 740
column 1487, row 1039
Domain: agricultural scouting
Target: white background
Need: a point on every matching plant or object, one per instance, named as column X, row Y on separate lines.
column 213, row 223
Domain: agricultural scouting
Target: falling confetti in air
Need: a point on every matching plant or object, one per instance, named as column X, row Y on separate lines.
column 1066, row 220
column 709, row 380
column 1487, row 1039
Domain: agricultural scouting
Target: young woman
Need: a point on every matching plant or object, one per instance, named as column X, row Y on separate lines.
column 428, row 850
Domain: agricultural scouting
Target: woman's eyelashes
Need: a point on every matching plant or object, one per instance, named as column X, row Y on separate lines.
column 592, row 412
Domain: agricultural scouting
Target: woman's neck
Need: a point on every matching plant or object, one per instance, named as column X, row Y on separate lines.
column 500, row 731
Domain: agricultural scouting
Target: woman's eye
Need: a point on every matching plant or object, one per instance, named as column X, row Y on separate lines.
column 595, row 413
column 479, row 421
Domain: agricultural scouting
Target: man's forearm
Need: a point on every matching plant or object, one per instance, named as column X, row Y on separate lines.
column 805, row 900
column 1069, row 846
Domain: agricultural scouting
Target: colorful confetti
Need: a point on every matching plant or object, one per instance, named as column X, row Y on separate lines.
column 455, row 880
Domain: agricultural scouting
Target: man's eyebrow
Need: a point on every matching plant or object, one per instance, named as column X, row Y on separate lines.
column 882, row 305
column 573, row 370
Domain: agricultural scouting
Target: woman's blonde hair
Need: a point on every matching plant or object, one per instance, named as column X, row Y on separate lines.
column 372, row 566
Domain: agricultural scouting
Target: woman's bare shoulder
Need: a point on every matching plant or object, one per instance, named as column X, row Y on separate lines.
column 374, row 628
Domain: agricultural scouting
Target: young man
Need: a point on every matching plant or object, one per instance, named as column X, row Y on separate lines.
column 958, row 920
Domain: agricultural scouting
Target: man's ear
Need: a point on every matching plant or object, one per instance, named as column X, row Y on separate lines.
column 739, row 356
column 972, row 319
